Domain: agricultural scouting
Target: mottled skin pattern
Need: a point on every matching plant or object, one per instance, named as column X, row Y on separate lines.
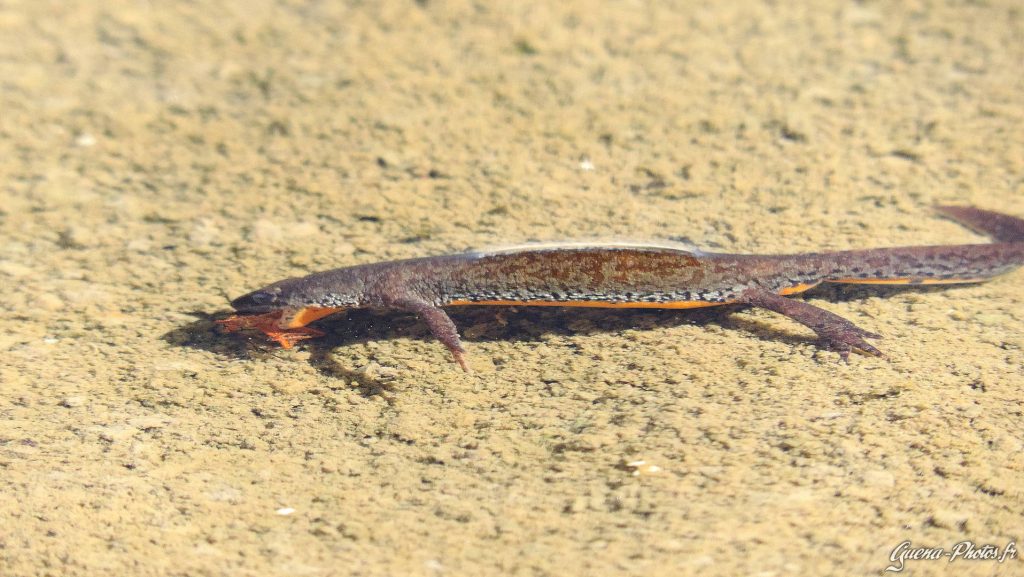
column 627, row 276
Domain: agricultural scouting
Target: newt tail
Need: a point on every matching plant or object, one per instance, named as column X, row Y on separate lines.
column 621, row 275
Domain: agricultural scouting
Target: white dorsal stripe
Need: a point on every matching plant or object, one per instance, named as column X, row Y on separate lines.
column 588, row 244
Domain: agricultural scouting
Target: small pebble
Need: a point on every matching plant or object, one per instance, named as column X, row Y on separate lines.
column 72, row 402
column 642, row 468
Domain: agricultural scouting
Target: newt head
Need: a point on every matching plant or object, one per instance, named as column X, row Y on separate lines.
column 267, row 299
column 332, row 289
column 281, row 311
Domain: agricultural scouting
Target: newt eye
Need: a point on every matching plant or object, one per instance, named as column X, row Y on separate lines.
column 256, row 301
column 261, row 298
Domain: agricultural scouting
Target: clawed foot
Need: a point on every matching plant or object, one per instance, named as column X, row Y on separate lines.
column 847, row 337
column 460, row 357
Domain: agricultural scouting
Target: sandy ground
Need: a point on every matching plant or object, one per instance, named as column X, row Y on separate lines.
column 157, row 158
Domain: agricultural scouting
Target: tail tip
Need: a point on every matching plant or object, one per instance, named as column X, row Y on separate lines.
column 998, row 226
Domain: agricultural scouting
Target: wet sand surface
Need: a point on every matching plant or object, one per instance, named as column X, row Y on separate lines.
column 159, row 158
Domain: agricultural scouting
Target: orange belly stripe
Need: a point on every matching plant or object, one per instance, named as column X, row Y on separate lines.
column 798, row 288
column 593, row 304
column 915, row 281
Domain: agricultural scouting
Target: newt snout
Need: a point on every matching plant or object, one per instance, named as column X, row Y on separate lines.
column 259, row 301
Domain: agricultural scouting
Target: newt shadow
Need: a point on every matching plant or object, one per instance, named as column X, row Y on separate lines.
column 476, row 324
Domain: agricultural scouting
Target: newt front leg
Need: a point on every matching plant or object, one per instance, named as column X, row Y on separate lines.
column 439, row 323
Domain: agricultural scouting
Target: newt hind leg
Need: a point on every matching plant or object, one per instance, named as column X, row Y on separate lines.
column 834, row 332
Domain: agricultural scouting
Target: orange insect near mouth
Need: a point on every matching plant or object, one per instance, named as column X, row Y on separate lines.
column 271, row 323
